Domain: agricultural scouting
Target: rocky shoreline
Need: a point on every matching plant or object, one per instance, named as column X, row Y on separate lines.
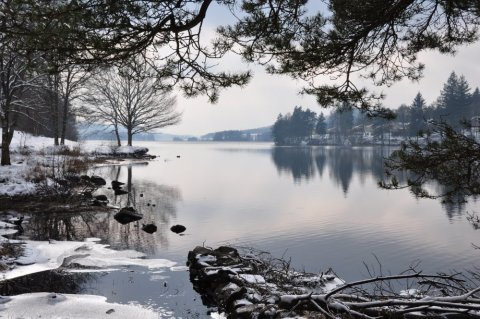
column 249, row 286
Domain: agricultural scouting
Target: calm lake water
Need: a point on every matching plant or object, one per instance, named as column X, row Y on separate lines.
column 319, row 206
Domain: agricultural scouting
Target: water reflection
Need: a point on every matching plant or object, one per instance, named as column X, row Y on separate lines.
column 303, row 163
column 51, row 280
column 345, row 164
column 156, row 202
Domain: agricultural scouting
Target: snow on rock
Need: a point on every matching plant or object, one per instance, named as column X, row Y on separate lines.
column 242, row 284
column 119, row 150
column 51, row 305
column 131, row 150
column 46, row 255
column 253, row 279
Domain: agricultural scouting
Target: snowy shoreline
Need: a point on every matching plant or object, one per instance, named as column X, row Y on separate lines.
column 35, row 179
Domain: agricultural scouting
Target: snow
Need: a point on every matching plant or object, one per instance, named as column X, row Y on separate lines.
column 6, row 225
column 205, row 260
column 330, row 285
column 14, row 179
column 117, row 150
column 7, row 229
column 51, row 305
column 252, row 279
column 46, row 255
column 411, row 293
column 29, row 152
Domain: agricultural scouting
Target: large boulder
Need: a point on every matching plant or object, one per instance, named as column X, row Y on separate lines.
column 97, row 180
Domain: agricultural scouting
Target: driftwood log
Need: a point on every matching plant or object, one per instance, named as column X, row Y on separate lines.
column 255, row 285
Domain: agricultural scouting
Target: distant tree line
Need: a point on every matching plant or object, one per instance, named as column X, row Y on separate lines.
column 456, row 105
column 241, row 136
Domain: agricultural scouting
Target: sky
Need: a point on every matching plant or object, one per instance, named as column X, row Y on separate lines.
column 259, row 103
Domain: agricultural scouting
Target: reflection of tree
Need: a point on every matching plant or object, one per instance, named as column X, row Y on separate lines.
column 157, row 204
column 341, row 167
column 67, row 226
column 342, row 163
column 294, row 160
column 320, row 160
column 51, row 280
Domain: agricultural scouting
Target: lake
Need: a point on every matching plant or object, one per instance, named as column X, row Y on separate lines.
column 319, row 206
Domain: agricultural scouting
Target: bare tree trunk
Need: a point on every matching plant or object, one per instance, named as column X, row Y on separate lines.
column 6, row 139
column 130, row 136
column 64, row 121
column 55, row 119
column 54, row 108
column 117, row 135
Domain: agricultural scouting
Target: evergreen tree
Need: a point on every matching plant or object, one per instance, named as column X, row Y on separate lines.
column 475, row 103
column 455, row 100
column 321, row 127
column 281, row 129
column 302, row 122
column 417, row 116
column 343, row 118
column 403, row 118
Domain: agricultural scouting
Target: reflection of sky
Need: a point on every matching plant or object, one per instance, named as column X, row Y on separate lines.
column 235, row 193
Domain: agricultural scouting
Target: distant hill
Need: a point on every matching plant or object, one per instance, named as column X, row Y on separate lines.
column 105, row 132
column 256, row 134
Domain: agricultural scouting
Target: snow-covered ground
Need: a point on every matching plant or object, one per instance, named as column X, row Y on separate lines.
column 29, row 156
column 51, row 305
column 86, row 256
column 28, row 151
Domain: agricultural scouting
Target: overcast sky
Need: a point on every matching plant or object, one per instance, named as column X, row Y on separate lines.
column 260, row 102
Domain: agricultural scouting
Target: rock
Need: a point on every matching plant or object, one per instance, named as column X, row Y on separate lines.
column 102, row 198
column 141, row 195
column 96, row 202
column 120, row 192
column 178, row 156
column 127, row 215
column 178, row 229
column 97, row 180
column 109, row 311
column 62, row 182
column 85, row 177
column 73, row 179
column 3, row 180
column 149, row 228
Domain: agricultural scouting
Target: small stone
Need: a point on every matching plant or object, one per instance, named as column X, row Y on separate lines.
column 178, row 229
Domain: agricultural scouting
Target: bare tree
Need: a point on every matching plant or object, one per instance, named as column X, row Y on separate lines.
column 72, row 81
column 14, row 69
column 131, row 97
